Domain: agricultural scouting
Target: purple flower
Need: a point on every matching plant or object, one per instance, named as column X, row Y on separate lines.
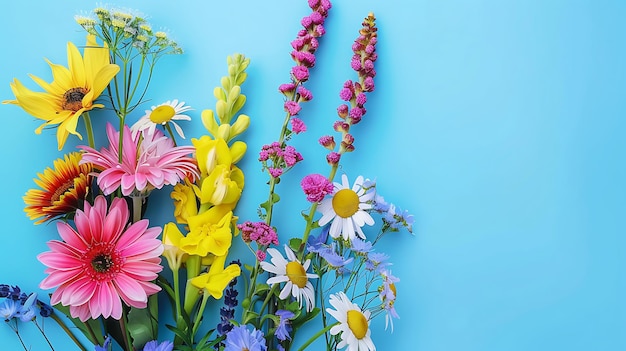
column 155, row 346
column 376, row 261
column 328, row 142
column 9, row 309
column 297, row 125
column 304, row 93
column 259, row 232
column 292, row 107
column 105, row 346
column 360, row 247
column 283, row 329
column 241, row 338
column 316, row 187
column 300, row 73
column 333, row 158
column 287, row 88
column 5, row 290
column 346, row 94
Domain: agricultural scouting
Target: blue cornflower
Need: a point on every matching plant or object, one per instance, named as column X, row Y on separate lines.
column 360, row 247
column 316, row 243
column 336, row 261
column 395, row 218
column 376, row 261
column 27, row 310
column 283, row 329
column 45, row 310
column 240, row 338
column 5, row 290
column 155, row 346
column 380, row 205
column 105, row 346
column 9, row 309
column 15, row 293
column 387, row 294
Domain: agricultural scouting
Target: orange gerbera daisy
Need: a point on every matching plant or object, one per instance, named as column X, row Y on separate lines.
column 63, row 190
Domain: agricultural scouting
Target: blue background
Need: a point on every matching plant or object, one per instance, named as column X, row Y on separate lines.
column 499, row 124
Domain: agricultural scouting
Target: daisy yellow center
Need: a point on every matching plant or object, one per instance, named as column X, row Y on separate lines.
column 392, row 287
column 296, row 273
column 162, row 114
column 346, row 203
column 357, row 324
column 73, row 99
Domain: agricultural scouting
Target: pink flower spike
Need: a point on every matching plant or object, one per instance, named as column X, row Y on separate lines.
column 316, row 187
column 300, row 73
column 333, row 158
column 297, row 126
column 103, row 262
column 292, row 107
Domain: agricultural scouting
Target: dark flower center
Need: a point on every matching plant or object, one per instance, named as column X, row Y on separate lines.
column 73, row 99
column 101, row 263
column 58, row 192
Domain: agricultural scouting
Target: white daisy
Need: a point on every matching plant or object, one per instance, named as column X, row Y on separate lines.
column 168, row 111
column 347, row 209
column 294, row 274
column 354, row 324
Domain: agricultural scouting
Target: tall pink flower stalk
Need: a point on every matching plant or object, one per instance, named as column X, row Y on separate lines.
column 103, row 262
column 148, row 162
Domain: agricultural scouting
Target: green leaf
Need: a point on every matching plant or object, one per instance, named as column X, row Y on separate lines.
column 303, row 318
column 84, row 327
column 143, row 323
column 294, row 244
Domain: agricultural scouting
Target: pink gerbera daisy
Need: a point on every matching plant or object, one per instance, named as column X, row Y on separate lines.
column 149, row 161
column 103, row 261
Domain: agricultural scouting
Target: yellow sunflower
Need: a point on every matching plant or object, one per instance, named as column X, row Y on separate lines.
column 72, row 91
column 63, row 189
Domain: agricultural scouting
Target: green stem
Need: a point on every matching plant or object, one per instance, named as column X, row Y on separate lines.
column 309, row 217
column 127, row 342
column 137, row 207
column 89, row 129
column 43, row 334
column 317, row 335
column 169, row 130
column 69, row 333
column 19, row 336
column 196, row 323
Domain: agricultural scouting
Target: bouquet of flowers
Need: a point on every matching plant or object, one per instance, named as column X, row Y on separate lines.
column 105, row 269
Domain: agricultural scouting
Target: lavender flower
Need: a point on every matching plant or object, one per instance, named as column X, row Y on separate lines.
column 241, row 338
column 283, row 329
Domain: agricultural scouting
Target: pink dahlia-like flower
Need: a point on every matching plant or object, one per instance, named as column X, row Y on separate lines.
column 148, row 162
column 316, row 187
column 103, row 261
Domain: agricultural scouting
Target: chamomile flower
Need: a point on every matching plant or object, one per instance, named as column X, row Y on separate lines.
column 294, row 274
column 347, row 209
column 167, row 112
column 354, row 324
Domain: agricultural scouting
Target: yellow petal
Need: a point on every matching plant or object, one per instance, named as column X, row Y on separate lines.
column 76, row 65
column 103, row 78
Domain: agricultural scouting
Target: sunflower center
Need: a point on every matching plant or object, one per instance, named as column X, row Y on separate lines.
column 73, row 99
column 58, row 192
column 162, row 114
column 101, row 263
column 345, row 203
column 357, row 323
column 296, row 273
